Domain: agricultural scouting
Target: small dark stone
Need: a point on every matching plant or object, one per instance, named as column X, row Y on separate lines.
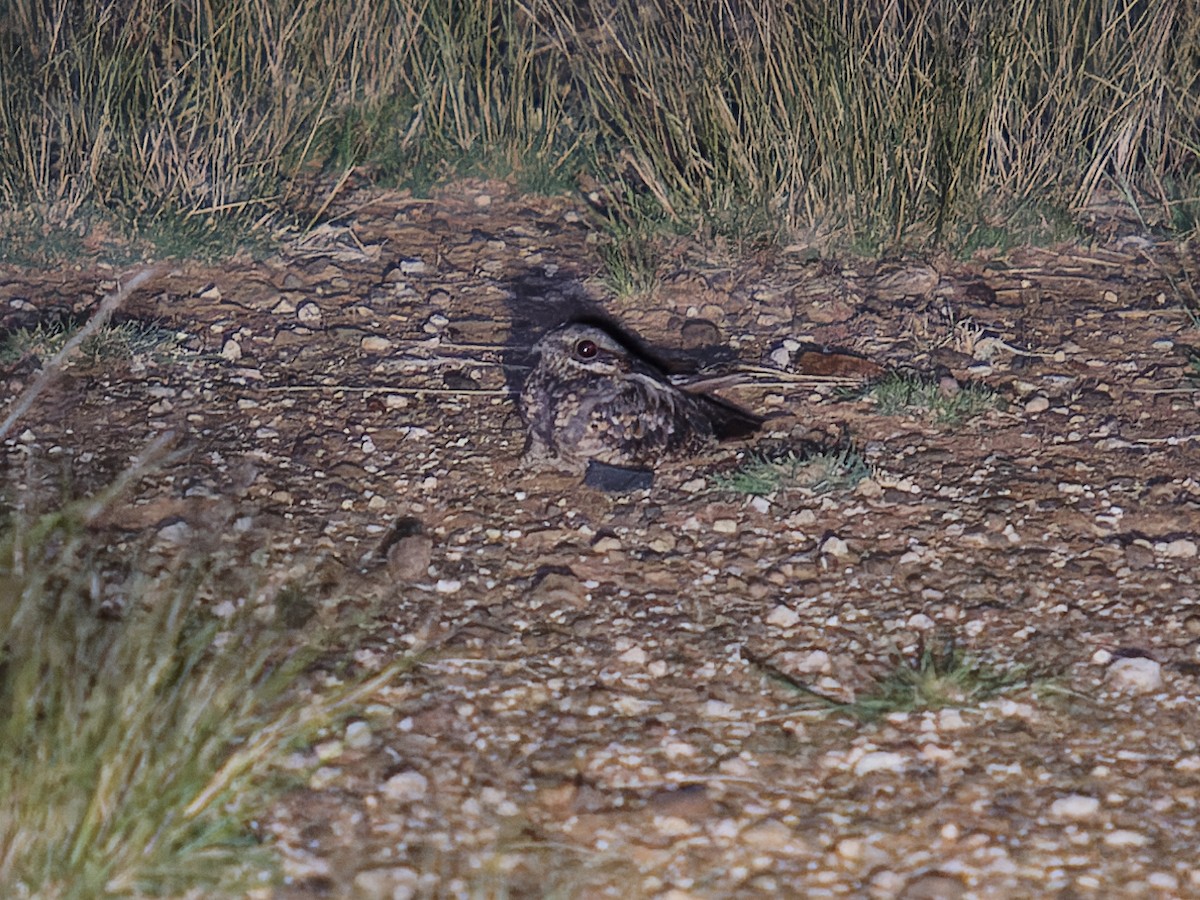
column 1138, row 556
column 698, row 333
column 407, row 548
column 688, row 801
column 460, row 381
column 617, row 479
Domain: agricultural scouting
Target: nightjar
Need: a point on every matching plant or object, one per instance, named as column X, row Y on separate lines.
column 591, row 398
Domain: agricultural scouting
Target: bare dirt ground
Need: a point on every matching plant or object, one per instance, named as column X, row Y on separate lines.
column 594, row 718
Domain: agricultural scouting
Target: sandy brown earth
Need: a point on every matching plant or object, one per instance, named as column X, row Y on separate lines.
column 594, row 717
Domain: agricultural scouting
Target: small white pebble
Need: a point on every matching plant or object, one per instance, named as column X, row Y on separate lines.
column 358, row 735
column 1182, row 548
column 719, row 709
column 869, row 489
column 951, row 720
column 1074, row 806
column 783, row 617
column 328, row 750
column 879, row 761
column 323, row 777
column 634, row 656
column 1164, row 881
column 406, row 787
column 625, row 706
column 735, row 767
column 675, row 750
column 781, row 357
column 850, row 848
column 816, row 661
column 374, row 343
column 448, row 585
column 1123, row 837
column 834, row 546
column 1136, row 674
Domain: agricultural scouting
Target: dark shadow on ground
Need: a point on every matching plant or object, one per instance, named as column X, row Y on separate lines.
column 538, row 303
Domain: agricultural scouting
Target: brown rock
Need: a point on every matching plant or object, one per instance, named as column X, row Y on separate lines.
column 559, row 587
column 409, row 558
column 829, row 312
column 407, row 549
column 698, row 333
column 813, row 362
column 934, row 886
column 690, row 802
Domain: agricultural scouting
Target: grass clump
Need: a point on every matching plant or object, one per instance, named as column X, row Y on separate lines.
column 871, row 124
column 195, row 121
column 883, row 122
column 904, row 393
column 133, row 752
column 786, row 471
column 636, row 233
column 939, row 676
column 132, row 339
column 631, row 258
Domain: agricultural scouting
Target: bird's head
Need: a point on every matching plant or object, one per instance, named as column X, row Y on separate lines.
column 583, row 348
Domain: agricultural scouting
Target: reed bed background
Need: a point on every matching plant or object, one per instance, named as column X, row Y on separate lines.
column 873, row 124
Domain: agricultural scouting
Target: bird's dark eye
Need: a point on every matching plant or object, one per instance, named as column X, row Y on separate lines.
column 586, row 350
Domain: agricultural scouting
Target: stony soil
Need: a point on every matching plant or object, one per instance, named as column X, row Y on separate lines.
column 594, row 716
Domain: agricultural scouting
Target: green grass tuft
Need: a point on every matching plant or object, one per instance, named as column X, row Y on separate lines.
column 937, row 678
column 766, row 474
column 903, row 393
column 133, row 752
column 122, row 341
column 940, row 676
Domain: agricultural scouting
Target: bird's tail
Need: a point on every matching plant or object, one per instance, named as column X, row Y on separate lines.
column 729, row 421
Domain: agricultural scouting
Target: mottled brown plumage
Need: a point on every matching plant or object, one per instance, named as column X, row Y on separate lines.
column 591, row 398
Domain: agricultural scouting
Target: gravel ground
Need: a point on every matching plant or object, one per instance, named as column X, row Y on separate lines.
column 597, row 715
